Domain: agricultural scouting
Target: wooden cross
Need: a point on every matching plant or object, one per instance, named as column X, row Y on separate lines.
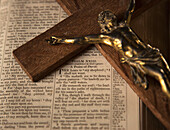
column 38, row 59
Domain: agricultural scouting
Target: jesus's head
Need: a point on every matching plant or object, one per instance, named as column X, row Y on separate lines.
column 107, row 21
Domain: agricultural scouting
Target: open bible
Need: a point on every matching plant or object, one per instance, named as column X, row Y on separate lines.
column 85, row 93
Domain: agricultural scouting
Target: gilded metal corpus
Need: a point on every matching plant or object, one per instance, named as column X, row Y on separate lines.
column 142, row 58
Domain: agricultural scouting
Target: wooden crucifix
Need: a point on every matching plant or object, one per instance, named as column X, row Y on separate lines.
column 38, row 58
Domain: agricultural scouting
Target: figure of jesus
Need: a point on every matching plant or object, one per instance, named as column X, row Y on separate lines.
column 142, row 58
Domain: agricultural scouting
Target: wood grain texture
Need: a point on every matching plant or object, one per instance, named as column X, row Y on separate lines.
column 71, row 6
column 159, row 16
column 149, row 121
column 152, row 28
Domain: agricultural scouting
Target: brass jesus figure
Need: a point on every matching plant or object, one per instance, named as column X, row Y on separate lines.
column 142, row 58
